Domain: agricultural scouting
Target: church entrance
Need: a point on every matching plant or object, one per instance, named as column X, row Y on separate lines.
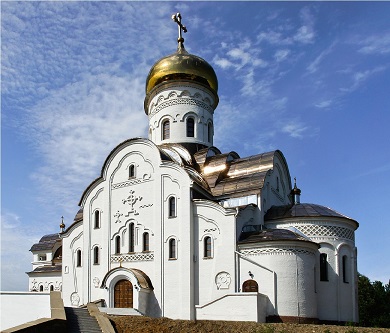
column 250, row 286
column 123, row 294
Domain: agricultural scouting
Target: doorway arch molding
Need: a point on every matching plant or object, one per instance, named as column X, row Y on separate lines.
column 140, row 281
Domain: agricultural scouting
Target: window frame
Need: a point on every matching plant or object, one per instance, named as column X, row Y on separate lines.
column 172, row 207
column 131, row 171
column 172, row 249
column 78, row 258
column 166, row 129
column 324, row 267
column 344, row 263
column 145, row 242
column 96, row 219
column 96, row 255
column 207, row 247
column 190, row 127
column 117, row 244
column 210, row 132
column 131, row 238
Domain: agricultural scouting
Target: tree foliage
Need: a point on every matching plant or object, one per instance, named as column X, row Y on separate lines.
column 374, row 303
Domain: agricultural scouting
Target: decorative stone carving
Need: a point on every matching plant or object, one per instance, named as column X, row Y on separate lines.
column 96, row 282
column 223, row 280
column 75, row 299
column 275, row 251
column 118, row 215
column 34, row 286
column 131, row 200
column 138, row 256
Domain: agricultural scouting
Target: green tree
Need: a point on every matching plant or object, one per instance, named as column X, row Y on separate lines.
column 374, row 302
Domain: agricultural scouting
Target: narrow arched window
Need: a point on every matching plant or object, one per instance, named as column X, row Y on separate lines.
column 190, row 127
column 96, row 255
column 145, row 246
column 97, row 219
column 131, row 237
column 51, row 288
column 165, row 130
column 172, row 207
column 40, row 288
column 323, row 267
column 210, row 132
column 132, row 171
column 78, row 258
column 172, row 248
column 207, row 249
column 117, row 244
column 345, row 269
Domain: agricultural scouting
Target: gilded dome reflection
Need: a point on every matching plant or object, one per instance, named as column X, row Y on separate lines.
column 184, row 66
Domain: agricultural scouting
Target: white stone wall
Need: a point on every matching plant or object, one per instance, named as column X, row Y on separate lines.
column 214, row 276
column 284, row 272
column 72, row 275
column 49, row 282
column 21, row 307
column 176, row 103
column 235, row 307
column 277, row 185
column 336, row 299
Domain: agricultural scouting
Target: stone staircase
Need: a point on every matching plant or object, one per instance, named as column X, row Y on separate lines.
column 79, row 320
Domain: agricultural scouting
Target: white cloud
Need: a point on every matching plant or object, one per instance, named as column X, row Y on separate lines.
column 222, row 62
column 273, row 37
column 359, row 77
column 76, row 127
column 324, row 104
column 305, row 34
column 281, row 55
column 295, row 129
column 314, row 65
column 377, row 44
column 16, row 240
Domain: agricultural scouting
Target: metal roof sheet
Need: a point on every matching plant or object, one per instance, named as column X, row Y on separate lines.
column 301, row 210
column 268, row 235
column 47, row 269
column 47, row 242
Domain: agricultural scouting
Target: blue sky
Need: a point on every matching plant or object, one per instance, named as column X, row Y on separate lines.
column 309, row 78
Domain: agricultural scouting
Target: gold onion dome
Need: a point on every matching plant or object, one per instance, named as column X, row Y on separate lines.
column 182, row 66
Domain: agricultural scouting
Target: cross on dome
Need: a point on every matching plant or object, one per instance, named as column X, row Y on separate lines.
column 177, row 18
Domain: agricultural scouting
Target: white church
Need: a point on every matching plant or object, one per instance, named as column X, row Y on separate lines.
column 175, row 228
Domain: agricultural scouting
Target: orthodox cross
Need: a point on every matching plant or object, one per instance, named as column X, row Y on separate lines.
column 177, row 19
column 131, row 200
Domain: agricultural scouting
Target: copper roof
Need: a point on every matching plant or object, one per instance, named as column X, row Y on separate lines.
column 227, row 174
column 47, row 242
column 301, row 210
column 223, row 174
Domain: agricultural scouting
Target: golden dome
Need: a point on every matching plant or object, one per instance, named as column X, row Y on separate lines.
column 182, row 65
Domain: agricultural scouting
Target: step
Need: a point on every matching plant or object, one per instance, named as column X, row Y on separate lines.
column 79, row 320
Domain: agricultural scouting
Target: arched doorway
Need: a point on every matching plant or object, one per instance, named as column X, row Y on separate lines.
column 250, row 286
column 123, row 294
